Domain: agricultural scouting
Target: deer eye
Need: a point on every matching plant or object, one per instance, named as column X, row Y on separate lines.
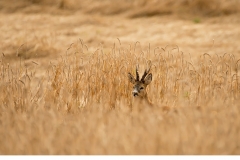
column 141, row 88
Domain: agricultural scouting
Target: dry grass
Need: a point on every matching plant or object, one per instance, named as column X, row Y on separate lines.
column 83, row 105
column 134, row 8
column 65, row 95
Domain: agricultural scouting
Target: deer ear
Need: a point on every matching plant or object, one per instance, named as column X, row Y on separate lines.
column 148, row 79
column 131, row 78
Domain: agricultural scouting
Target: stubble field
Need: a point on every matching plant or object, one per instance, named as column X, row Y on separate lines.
column 64, row 86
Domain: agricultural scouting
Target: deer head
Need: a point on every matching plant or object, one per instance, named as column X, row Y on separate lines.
column 139, row 88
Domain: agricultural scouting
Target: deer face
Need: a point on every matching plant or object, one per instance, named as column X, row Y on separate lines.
column 139, row 88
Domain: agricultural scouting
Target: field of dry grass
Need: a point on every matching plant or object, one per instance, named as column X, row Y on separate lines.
column 64, row 86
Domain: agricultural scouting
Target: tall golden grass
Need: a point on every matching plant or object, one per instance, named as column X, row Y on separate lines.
column 83, row 104
column 56, row 99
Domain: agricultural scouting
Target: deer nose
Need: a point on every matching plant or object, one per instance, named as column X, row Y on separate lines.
column 135, row 94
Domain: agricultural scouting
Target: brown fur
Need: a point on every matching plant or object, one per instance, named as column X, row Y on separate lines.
column 139, row 88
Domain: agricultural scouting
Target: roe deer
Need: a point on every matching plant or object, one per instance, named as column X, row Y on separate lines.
column 139, row 88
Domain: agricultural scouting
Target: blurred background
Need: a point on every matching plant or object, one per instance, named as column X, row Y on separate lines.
column 49, row 27
column 133, row 8
column 43, row 29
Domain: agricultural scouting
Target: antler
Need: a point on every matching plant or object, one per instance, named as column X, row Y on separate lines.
column 145, row 73
column 137, row 74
